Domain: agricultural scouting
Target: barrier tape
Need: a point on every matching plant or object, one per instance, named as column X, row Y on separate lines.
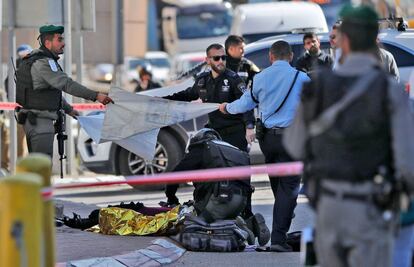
column 77, row 106
column 210, row 175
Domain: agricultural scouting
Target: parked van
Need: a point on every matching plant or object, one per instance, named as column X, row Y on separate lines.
column 260, row 20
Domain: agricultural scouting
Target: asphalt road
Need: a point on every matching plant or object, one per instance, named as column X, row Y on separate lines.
column 73, row 244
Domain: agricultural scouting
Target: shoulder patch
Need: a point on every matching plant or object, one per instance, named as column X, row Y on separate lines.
column 52, row 65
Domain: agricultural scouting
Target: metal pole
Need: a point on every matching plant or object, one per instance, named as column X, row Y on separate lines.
column 118, row 33
column 12, row 89
column 2, row 89
column 68, row 69
column 79, row 41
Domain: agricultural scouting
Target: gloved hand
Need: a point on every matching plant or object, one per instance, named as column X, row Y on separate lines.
column 250, row 135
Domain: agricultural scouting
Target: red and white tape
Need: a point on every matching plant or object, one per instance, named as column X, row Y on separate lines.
column 78, row 106
column 209, row 175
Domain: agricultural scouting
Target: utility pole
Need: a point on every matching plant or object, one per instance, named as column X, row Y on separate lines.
column 11, row 84
column 70, row 148
column 118, row 37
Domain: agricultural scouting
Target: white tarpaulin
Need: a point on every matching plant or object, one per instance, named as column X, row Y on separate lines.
column 142, row 144
column 132, row 113
column 169, row 90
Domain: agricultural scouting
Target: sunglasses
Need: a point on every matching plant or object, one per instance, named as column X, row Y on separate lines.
column 217, row 58
column 332, row 36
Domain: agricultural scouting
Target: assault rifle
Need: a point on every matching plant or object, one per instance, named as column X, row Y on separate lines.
column 61, row 137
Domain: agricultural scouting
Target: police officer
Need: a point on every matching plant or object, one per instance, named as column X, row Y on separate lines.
column 39, row 86
column 356, row 158
column 216, row 86
column 221, row 200
column 246, row 70
column 276, row 91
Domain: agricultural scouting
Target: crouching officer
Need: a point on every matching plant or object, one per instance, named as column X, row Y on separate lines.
column 39, row 85
column 225, row 199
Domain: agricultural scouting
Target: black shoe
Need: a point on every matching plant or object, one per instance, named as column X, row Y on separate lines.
column 168, row 204
column 281, row 248
column 250, row 235
column 260, row 229
column 78, row 222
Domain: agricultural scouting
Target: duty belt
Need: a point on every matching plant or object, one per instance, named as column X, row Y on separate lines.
column 231, row 129
column 344, row 195
column 275, row 130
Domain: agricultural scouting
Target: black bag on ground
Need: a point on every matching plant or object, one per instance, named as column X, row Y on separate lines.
column 221, row 236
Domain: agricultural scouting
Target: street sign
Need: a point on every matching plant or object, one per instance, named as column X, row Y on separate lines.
column 35, row 13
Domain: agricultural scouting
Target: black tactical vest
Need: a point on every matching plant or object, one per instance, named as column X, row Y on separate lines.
column 221, row 154
column 359, row 141
column 26, row 96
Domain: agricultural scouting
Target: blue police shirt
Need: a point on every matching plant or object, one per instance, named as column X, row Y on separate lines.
column 270, row 88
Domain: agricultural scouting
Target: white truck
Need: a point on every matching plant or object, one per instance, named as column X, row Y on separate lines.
column 190, row 26
column 259, row 20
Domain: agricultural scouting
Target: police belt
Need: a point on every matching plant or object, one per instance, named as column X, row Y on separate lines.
column 274, row 130
column 230, row 129
column 346, row 195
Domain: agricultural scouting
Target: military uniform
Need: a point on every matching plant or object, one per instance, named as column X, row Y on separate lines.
column 39, row 86
column 349, row 164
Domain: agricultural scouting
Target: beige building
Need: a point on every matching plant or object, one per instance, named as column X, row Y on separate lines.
column 98, row 45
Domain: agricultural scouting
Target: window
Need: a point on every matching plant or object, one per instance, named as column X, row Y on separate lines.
column 203, row 25
column 402, row 57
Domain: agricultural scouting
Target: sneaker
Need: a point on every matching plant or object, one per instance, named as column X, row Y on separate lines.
column 242, row 224
column 260, row 229
column 281, row 248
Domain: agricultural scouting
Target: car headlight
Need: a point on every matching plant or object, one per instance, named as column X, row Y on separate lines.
column 108, row 77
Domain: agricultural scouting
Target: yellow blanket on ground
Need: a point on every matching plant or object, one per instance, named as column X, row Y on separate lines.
column 118, row 221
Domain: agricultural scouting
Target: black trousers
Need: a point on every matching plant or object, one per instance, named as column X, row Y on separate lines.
column 236, row 138
column 285, row 189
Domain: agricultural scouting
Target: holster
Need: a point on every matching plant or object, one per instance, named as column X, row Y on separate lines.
column 260, row 129
column 21, row 117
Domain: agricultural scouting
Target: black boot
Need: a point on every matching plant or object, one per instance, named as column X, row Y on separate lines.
column 258, row 226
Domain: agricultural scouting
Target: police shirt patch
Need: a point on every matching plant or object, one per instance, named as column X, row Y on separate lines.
column 225, row 87
column 242, row 87
column 52, row 65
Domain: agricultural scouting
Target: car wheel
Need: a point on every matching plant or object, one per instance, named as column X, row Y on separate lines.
column 168, row 153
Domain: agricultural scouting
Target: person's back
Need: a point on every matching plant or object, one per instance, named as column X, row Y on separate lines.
column 354, row 119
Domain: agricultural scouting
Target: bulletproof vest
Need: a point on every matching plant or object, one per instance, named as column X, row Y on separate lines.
column 358, row 143
column 221, row 154
column 26, row 96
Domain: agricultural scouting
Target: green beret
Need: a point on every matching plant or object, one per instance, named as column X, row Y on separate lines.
column 51, row 29
column 361, row 14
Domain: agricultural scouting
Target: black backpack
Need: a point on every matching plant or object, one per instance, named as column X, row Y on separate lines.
column 221, row 236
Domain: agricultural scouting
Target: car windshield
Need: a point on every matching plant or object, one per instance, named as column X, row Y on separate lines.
column 203, row 25
column 159, row 62
column 134, row 63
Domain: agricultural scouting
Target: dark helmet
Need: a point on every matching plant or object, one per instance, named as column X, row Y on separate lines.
column 203, row 135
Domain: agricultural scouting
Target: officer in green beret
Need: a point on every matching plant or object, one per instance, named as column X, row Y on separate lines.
column 39, row 86
column 354, row 151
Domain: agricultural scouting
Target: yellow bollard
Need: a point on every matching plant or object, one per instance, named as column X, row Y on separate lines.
column 42, row 165
column 21, row 210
